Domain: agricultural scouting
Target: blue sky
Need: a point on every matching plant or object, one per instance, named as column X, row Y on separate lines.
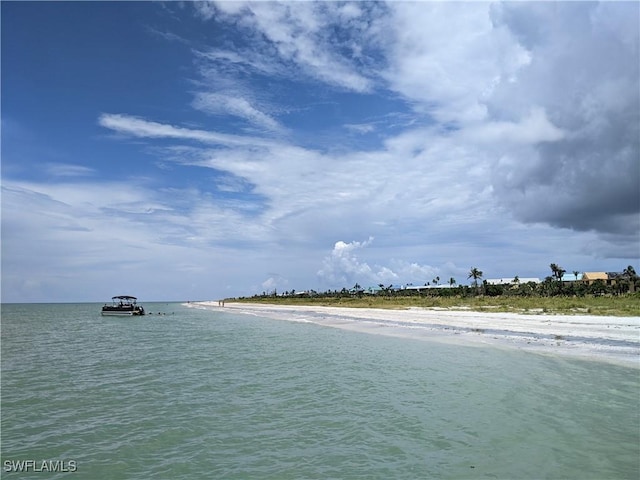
column 184, row 151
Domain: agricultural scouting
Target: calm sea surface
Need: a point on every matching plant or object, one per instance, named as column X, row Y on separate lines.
column 199, row 394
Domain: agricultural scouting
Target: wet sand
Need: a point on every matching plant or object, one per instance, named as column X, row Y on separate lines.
column 604, row 338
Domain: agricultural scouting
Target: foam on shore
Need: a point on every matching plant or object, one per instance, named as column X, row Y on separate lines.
column 605, row 338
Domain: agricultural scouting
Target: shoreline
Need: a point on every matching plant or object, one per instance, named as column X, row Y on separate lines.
column 604, row 338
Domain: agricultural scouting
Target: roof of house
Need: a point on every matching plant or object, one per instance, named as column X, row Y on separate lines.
column 510, row 280
column 595, row 276
column 424, row 287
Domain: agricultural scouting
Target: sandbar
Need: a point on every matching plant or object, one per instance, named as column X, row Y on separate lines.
column 600, row 338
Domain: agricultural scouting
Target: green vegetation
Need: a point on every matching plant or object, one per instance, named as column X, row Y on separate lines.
column 555, row 295
column 620, row 305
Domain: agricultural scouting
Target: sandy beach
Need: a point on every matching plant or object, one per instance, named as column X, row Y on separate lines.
column 605, row 338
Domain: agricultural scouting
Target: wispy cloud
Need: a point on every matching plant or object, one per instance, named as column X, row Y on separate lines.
column 138, row 127
column 68, row 170
column 300, row 34
column 361, row 128
column 219, row 104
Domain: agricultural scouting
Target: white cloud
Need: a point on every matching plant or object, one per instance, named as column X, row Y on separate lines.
column 299, row 33
column 449, row 59
column 62, row 240
column 221, row 67
column 532, row 129
column 301, row 185
column 138, row 127
column 219, row 104
column 361, row 128
column 275, row 283
column 343, row 268
column 68, row 170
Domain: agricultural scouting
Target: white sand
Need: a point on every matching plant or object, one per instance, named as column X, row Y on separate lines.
column 613, row 339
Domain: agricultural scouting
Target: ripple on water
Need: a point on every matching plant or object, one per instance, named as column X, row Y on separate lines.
column 203, row 394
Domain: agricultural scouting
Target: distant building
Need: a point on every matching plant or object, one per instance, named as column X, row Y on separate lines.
column 428, row 287
column 590, row 277
column 373, row 290
column 510, row 281
column 571, row 277
column 609, row 278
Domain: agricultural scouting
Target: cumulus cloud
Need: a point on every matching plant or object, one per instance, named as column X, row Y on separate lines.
column 585, row 72
column 275, row 283
column 547, row 94
column 448, row 60
column 343, row 268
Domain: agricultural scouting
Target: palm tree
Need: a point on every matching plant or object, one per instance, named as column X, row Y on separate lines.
column 475, row 274
column 452, row 281
column 631, row 276
column 575, row 274
column 557, row 271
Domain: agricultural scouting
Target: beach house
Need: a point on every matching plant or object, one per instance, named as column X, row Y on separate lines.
column 590, row 277
column 512, row 280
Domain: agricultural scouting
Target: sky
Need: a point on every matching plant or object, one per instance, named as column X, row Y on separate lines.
column 202, row 150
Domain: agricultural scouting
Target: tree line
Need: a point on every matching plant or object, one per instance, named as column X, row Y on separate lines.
column 553, row 285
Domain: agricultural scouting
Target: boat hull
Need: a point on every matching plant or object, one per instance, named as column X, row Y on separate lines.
column 120, row 314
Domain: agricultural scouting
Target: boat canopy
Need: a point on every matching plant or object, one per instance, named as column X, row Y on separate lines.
column 123, row 297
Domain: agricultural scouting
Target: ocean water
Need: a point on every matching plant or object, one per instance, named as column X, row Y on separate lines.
column 198, row 394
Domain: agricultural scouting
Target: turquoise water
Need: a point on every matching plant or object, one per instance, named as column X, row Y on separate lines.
column 204, row 394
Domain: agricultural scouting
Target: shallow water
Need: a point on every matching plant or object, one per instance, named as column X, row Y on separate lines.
column 210, row 394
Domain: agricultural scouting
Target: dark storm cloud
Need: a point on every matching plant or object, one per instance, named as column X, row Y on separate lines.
column 589, row 85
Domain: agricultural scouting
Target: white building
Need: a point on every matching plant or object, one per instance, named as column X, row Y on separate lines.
column 510, row 281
